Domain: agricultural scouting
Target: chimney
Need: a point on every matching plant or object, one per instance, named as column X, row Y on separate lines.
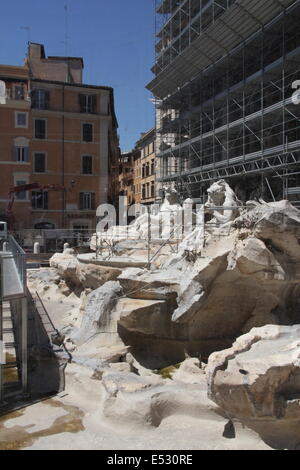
column 36, row 51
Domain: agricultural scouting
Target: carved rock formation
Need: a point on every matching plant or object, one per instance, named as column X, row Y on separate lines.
column 247, row 275
column 82, row 275
column 257, row 381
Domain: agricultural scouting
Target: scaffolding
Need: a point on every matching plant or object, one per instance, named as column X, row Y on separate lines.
column 226, row 72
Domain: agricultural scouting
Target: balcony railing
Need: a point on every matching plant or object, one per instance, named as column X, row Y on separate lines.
column 13, row 95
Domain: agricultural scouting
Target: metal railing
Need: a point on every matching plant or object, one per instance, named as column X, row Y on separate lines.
column 57, row 332
column 14, row 250
column 52, row 240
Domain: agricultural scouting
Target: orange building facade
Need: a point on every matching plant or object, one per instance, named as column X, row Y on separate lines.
column 145, row 166
column 126, row 177
column 137, row 171
column 55, row 130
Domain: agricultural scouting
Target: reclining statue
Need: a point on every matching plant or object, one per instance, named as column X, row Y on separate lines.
column 159, row 220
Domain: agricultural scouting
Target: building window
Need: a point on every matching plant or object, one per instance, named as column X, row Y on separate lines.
column 86, row 201
column 88, row 103
column 147, row 169
column 21, row 119
column 39, row 200
column 21, row 154
column 87, row 165
column 40, row 99
column 144, row 191
column 152, row 167
column 152, row 188
column 39, row 163
column 40, row 128
column 44, row 226
column 22, row 195
column 87, row 132
column 82, row 228
column 19, row 92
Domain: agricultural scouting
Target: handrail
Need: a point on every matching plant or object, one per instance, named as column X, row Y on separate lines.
column 52, row 324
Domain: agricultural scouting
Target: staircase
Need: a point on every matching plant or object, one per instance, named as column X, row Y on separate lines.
column 13, row 320
column 11, row 373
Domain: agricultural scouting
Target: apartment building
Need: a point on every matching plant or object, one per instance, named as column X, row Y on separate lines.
column 126, row 177
column 145, row 168
column 225, row 73
column 60, row 133
column 137, row 171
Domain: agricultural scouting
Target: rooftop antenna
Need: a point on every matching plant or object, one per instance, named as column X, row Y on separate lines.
column 66, row 41
column 28, row 29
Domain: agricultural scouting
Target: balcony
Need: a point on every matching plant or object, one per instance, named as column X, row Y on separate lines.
column 17, row 97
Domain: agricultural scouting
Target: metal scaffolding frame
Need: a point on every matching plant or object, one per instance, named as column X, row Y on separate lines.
column 231, row 115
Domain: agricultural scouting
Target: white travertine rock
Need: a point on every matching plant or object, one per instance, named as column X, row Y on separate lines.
column 82, row 275
column 189, row 372
column 99, row 313
column 246, row 275
column 138, row 401
column 257, row 381
column 66, row 264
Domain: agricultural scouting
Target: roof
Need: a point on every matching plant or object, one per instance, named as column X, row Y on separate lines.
column 146, row 135
column 79, row 85
column 14, row 72
column 62, row 58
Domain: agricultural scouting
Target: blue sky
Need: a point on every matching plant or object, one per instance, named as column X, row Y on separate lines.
column 115, row 38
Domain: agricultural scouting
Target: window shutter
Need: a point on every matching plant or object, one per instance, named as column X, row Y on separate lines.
column 47, row 99
column 94, row 104
column 92, row 201
column 81, row 198
column 45, row 205
column 26, row 154
column 81, row 103
column 33, row 98
column 40, row 129
column 37, row 128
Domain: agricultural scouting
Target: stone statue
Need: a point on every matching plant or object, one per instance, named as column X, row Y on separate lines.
column 161, row 221
column 223, row 205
